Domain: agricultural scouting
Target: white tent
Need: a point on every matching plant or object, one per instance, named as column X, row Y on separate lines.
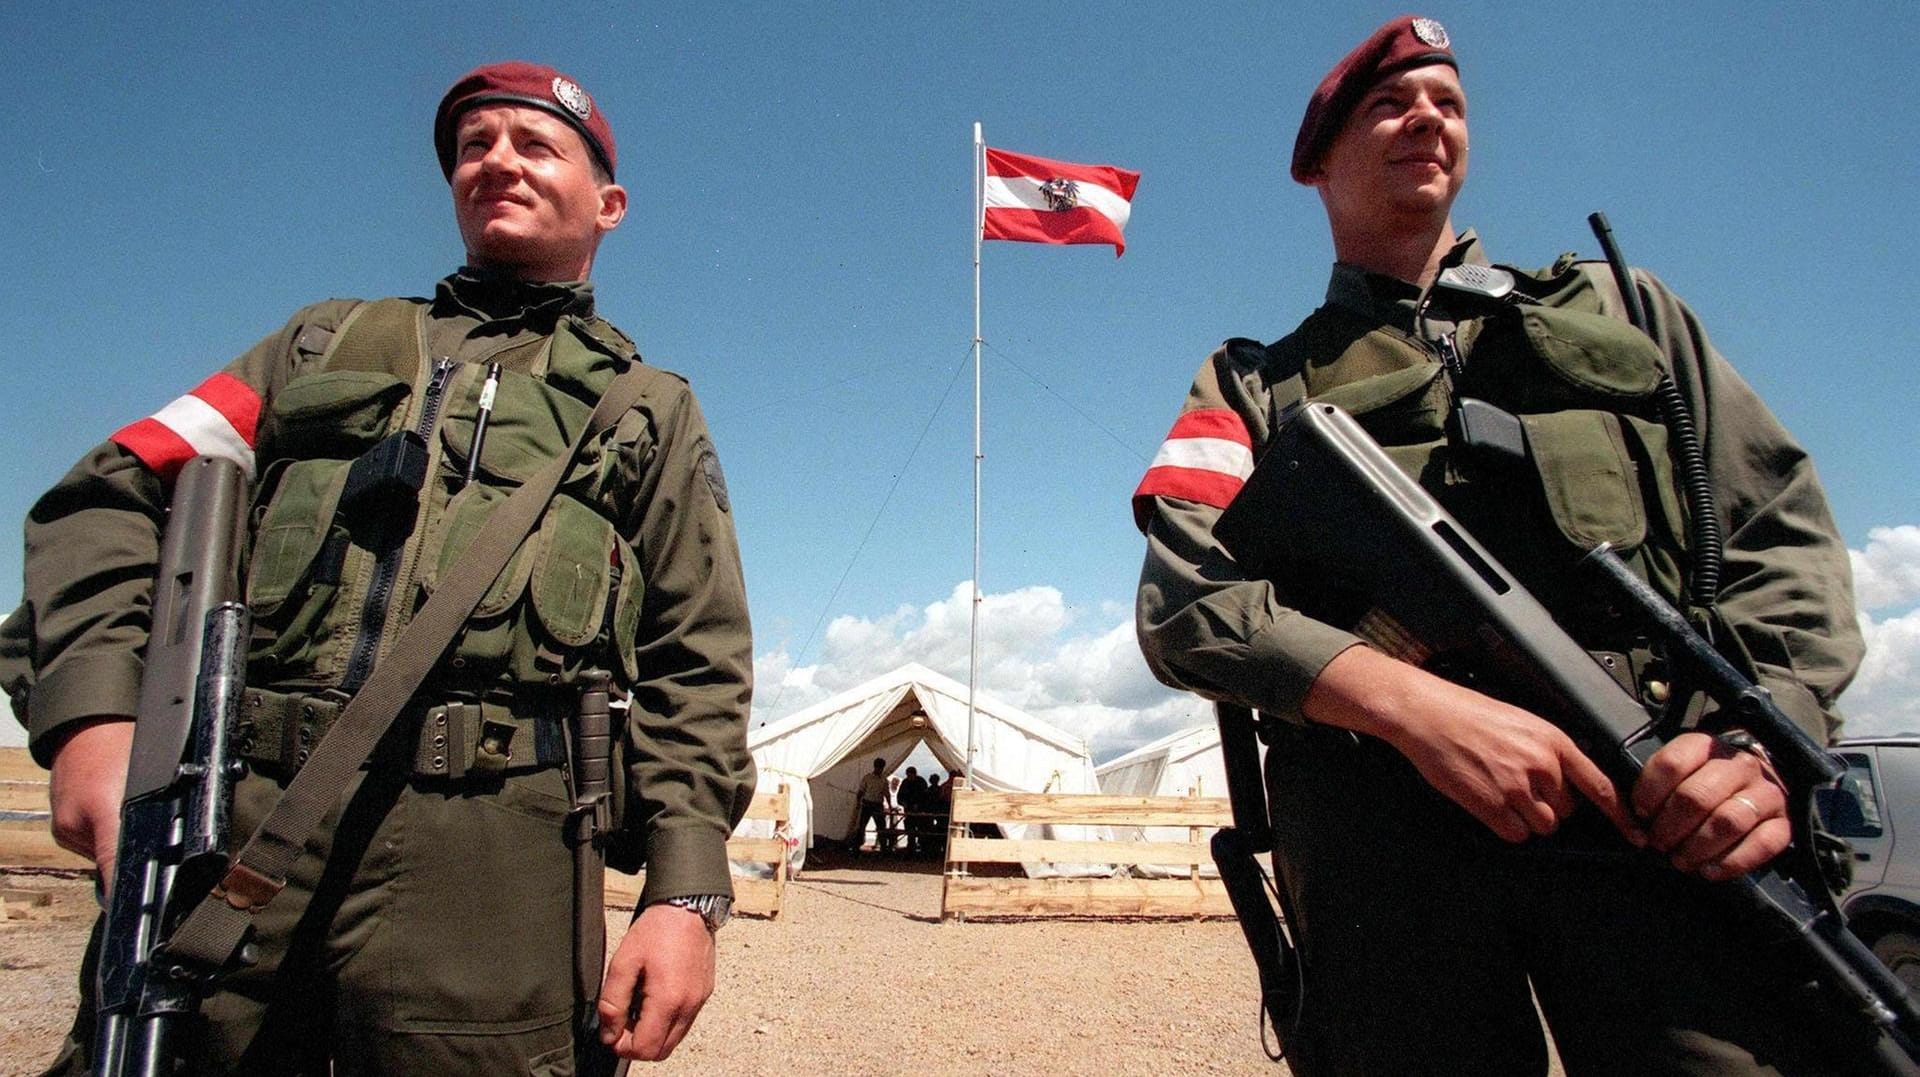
column 1187, row 763
column 1173, row 766
column 822, row 752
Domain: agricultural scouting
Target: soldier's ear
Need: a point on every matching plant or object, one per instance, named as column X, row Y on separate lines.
column 613, row 206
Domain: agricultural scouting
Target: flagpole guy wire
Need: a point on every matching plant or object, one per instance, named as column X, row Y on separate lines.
column 973, row 621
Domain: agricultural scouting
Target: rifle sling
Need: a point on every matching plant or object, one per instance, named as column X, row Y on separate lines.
column 213, row 933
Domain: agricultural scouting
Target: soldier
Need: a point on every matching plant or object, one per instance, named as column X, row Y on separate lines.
column 1447, row 854
column 428, row 927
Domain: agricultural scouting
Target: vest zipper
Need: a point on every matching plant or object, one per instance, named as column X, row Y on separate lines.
column 1450, row 357
column 373, row 611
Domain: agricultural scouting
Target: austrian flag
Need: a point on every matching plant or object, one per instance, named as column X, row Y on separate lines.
column 1034, row 200
column 218, row 418
column 1206, row 458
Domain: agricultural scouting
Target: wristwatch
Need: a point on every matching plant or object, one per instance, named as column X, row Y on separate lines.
column 715, row 909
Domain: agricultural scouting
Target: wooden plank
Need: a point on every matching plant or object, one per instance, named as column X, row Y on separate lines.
column 974, row 806
column 761, row 897
column 768, row 806
column 1084, row 897
column 1001, row 851
column 26, row 843
column 17, row 766
column 763, row 850
column 23, row 796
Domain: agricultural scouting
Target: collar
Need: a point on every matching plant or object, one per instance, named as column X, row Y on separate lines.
column 494, row 296
column 1389, row 300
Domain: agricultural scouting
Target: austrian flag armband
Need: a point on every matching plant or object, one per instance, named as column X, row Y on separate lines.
column 1206, row 458
column 220, row 417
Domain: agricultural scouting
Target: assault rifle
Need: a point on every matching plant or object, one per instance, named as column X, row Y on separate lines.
column 1327, row 504
column 179, row 795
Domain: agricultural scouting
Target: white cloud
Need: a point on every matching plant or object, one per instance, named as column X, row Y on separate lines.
column 1034, row 654
column 1885, row 696
column 1887, row 572
column 1081, row 669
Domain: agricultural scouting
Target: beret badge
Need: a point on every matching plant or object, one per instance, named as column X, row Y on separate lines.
column 1430, row 32
column 576, row 101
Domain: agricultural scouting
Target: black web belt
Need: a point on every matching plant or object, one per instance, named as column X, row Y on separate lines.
column 456, row 739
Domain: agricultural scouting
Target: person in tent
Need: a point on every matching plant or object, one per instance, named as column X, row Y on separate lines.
column 875, row 800
column 940, row 808
column 912, row 799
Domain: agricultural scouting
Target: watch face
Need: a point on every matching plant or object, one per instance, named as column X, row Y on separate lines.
column 714, row 909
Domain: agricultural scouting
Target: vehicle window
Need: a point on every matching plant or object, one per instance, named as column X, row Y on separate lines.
column 1856, row 786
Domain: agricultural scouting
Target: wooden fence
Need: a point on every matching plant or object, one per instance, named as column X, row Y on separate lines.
column 25, row 840
column 966, row 895
column 758, row 897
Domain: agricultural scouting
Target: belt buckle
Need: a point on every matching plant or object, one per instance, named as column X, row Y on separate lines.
column 495, row 748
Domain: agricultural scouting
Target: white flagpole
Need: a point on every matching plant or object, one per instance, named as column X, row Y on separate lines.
column 973, row 623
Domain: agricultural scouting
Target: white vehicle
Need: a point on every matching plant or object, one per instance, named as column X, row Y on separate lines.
column 1877, row 810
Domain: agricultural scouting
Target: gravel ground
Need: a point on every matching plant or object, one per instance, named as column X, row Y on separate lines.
column 857, row 976
column 39, row 955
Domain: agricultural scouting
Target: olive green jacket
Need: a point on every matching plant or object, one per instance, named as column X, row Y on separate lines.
column 1786, row 588
column 678, row 612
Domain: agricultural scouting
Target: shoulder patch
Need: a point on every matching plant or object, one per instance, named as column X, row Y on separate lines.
column 709, row 465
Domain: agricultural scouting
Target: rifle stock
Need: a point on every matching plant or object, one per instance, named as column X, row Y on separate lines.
column 1327, row 503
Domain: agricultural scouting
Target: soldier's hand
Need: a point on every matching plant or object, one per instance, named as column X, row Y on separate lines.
column 1510, row 769
column 659, row 977
column 88, row 782
column 1715, row 811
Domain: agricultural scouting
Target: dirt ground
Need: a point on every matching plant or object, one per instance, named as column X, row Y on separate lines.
column 857, row 976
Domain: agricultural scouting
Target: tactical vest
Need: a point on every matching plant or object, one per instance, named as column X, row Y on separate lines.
column 331, row 584
column 1582, row 384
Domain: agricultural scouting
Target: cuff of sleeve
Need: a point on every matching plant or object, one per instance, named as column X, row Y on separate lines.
column 1295, row 664
column 684, row 861
column 79, row 689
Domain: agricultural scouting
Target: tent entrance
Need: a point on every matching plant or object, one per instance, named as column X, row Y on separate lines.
column 824, row 751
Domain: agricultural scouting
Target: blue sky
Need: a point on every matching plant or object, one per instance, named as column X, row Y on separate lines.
column 799, row 248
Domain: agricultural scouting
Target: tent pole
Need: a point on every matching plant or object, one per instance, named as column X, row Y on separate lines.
column 973, row 621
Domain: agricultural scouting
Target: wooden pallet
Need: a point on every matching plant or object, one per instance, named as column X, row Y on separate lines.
column 965, row 895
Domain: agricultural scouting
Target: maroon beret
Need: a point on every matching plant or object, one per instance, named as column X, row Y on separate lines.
column 517, row 83
column 1408, row 41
